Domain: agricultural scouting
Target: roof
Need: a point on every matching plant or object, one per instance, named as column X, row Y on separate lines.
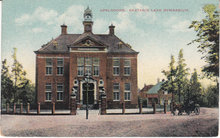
column 146, row 88
column 63, row 41
column 155, row 88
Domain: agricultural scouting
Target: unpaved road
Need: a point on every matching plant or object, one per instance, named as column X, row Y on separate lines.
column 205, row 124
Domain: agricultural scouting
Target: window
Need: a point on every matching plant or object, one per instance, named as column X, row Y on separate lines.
column 48, row 89
column 88, row 66
column 49, row 65
column 59, row 91
column 127, row 92
column 80, row 68
column 60, row 66
column 96, row 66
column 127, row 67
column 116, row 89
column 116, row 67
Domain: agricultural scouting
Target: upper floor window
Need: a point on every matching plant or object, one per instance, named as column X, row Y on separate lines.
column 49, row 66
column 116, row 91
column 80, row 66
column 127, row 67
column 88, row 65
column 60, row 66
column 59, row 91
column 96, row 66
column 127, row 92
column 116, row 67
column 48, row 91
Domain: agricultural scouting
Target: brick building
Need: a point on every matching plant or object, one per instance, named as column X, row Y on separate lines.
column 154, row 93
column 62, row 64
column 143, row 91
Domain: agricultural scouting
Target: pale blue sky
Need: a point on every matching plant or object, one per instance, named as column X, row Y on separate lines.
column 156, row 35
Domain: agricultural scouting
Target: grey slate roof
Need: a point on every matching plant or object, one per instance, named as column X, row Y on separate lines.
column 63, row 41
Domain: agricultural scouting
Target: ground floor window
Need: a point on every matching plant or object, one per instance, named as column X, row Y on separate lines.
column 116, row 96
column 48, row 91
column 59, row 92
column 116, row 88
column 127, row 92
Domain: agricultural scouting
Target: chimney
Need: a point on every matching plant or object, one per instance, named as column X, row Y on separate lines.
column 63, row 29
column 112, row 29
column 158, row 80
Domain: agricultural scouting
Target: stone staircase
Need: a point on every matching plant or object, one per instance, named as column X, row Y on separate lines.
column 90, row 107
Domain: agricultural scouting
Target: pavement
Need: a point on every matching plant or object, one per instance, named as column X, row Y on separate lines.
column 113, row 125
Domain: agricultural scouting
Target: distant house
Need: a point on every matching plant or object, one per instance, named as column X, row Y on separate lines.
column 155, row 94
column 143, row 91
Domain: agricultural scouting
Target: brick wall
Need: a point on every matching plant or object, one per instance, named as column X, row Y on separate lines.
column 70, row 73
column 42, row 79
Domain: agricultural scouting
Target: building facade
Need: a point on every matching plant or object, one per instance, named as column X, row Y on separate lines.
column 62, row 63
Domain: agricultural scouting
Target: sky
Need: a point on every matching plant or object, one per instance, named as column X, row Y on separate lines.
column 156, row 33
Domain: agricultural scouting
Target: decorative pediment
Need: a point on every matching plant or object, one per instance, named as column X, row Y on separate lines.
column 88, row 41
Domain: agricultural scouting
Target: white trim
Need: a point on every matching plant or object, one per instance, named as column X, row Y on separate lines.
column 81, row 90
column 120, row 57
column 75, row 51
column 51, row 57
column 96, row 50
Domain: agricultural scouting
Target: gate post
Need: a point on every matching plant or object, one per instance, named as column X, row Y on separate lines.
column 154, row 108
column 103, row 104
column 21, row 108
column 73, row 104
column 123, row 107
column 7, row 108
column 53, row 108
column 14, row 108
column 38, row 108
column 28, row 108
column 165, row 107
column 140, row 106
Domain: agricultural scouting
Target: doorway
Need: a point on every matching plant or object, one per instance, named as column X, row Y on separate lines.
column 90, row 93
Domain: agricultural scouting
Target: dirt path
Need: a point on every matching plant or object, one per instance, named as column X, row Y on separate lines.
column 206, row 124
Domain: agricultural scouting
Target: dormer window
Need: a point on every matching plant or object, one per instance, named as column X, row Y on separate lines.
column 120, row 45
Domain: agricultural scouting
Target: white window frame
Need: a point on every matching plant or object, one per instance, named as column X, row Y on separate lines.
column 58, row 92
column 80, row 68
column 49, row 66
column 96, row 67
column 60, row 66
column 115, row 67
column 127, row 67
column 88, row 67
column 127, row 92
column 48, row 92
column 116, row 91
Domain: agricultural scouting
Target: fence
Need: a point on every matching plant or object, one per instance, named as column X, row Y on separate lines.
column 26, row 109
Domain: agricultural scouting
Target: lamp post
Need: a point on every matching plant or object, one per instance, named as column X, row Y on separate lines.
column 87, row 78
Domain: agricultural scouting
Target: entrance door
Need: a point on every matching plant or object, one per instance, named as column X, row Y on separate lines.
column 90, row 93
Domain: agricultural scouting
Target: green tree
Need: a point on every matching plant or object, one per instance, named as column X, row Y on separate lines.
column 6, row 82
column 170, row 83
column 26, row 92
column 181, row 76
column 195, row 88
column 208, row 38
column 18, row 75
column 212, row 95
